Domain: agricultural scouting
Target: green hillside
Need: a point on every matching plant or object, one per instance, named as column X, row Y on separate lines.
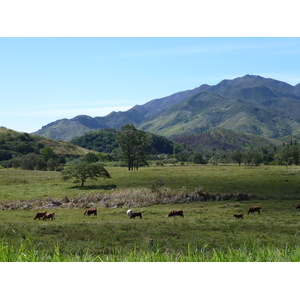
column 226, row 140
column 18, row 143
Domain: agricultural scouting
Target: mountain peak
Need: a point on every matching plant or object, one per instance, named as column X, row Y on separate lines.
column 252, row 76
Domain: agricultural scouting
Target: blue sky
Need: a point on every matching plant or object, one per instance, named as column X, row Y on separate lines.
column 45, row 79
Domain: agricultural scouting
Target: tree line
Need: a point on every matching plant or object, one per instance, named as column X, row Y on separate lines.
column 137, row 148
column 287, row 154
column 134, row 148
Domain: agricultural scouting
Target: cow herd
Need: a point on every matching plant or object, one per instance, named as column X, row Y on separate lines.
column 93, row 211
column 45, row 215
column 251, row 210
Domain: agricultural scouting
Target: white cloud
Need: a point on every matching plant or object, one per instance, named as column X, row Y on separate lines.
column 65, row 112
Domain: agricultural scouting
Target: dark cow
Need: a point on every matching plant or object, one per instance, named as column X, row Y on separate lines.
column 40, row 215
column 176, row 213
column 253, row 209
column 239, row 216
column 49, row 216
column 138, row 214
column 90, row 211
column 298, row 206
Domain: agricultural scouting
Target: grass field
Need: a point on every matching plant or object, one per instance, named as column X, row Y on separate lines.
column 268, row 182
column 208, row 232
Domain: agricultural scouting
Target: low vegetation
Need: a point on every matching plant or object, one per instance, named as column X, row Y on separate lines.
column 27, row 251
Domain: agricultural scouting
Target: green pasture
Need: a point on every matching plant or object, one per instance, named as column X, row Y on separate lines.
column 208, row 232
column 265, row 182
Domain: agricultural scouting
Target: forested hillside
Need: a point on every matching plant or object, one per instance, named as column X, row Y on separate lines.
column 104, row 140
column 226, row 140
column 34, row 152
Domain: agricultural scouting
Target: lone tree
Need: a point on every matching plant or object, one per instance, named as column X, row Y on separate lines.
column 81, row 171
column 237, row 156
column 133, row 145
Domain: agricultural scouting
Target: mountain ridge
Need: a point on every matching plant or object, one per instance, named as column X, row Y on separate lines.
column 250, row 104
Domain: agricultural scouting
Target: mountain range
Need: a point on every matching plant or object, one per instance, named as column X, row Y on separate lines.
column 250, row 104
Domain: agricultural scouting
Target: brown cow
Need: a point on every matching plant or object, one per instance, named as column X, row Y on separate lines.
column 49, row 216
column 252, row 209
column 138, row 214
column 239, row 216
column 176, row 213
column 40, row 215
column 298, row 206
column 90, row 211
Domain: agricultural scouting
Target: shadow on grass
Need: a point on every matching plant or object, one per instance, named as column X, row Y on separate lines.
column 94, row 187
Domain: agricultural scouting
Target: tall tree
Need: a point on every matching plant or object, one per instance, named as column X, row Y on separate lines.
column 133, row 144
column 237, row 156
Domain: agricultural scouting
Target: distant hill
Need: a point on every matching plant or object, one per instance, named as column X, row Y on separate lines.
column 67, row 129
column 24, row 143
column 250, row 104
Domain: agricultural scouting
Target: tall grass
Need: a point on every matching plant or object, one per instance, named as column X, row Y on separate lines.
column 247, row 252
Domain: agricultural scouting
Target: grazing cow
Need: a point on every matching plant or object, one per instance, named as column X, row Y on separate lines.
column 129, row 212
column 133, row 215
column 239, row 216
column 176, row 213
column 49, row 216
column 298, row 206
column 252, row 209
column 90, row 211
column 40, row 215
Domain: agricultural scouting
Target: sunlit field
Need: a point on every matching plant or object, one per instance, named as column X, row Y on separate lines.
column 270, row 182
column 207, row 232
